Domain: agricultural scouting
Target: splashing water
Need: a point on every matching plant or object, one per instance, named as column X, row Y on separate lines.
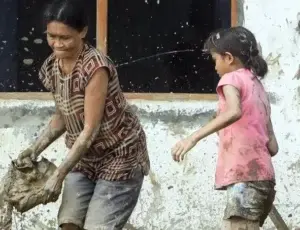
column 153, row 56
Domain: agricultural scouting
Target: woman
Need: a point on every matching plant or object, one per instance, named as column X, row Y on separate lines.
column 107, row 160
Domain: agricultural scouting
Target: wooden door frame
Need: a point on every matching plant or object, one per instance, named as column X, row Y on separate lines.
column 234, row 12
column 101, row 41
column 101, row 25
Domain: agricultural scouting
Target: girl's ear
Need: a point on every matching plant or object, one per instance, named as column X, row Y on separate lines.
column 229, row 58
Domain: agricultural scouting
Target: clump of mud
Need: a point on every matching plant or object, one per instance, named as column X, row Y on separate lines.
column 5, row 215
column 23, row 188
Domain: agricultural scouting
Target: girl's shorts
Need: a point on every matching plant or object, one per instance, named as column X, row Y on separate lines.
column 250, row 200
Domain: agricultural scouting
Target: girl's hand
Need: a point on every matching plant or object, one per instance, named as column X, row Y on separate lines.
column 181, row 148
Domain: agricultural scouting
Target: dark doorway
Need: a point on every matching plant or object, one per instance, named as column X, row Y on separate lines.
column 157, row 44
column 24, row 47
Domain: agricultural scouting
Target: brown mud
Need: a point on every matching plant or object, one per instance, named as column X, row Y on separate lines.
column 22, row 188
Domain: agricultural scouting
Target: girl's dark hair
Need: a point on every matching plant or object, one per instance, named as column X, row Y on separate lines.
column 69, row 12
column 241, row 43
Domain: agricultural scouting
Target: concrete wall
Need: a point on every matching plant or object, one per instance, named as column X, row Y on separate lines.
column 185, row 198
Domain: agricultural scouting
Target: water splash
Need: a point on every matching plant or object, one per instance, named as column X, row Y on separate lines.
column 153, row 56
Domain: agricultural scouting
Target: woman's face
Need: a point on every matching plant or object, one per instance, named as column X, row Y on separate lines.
column 64, row 40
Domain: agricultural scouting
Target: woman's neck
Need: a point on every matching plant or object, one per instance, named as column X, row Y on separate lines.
column 67, row 64
column 74, row 57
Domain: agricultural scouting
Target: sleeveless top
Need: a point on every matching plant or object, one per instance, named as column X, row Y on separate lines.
column 120, row 146
column 243, row 152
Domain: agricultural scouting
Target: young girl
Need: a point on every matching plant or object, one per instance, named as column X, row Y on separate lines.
column 247, row 140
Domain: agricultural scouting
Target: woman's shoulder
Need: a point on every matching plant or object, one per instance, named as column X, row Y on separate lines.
column 92, row 52
column 48, row 63
column 94, row 59
column 45, row 73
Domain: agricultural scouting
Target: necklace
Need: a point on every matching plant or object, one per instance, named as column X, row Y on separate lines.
column 61, row 64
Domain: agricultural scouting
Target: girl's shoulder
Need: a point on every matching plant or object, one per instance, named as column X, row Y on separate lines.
column 239, row 78
column 241, row 74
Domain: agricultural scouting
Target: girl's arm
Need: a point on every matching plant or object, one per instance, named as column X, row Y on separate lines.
column 232, row 114
column 272, row 144
column 94, row 105
column 214, row 117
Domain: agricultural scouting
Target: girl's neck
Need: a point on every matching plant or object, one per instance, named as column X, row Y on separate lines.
column 236, row 67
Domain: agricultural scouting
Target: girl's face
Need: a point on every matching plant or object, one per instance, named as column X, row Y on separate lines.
column 64, row 40
column 223, row 63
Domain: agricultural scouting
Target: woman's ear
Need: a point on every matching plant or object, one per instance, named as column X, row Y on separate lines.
column 83, row 33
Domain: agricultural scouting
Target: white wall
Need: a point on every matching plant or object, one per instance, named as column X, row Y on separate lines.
column 185, row 198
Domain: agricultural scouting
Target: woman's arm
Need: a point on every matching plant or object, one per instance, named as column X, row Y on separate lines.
column 53, row 130
column 232, row 114
column 272, row 144
column 94, row 105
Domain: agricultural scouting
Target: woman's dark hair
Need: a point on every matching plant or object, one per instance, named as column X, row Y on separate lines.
column 241, row 43
column 69, row 12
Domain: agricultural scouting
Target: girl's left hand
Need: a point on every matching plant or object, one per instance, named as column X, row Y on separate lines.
column 181, row 148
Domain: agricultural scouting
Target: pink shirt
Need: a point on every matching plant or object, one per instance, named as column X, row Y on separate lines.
column 243, row 153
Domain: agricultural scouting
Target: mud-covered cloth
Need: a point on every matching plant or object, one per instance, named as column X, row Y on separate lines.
column 23, row 188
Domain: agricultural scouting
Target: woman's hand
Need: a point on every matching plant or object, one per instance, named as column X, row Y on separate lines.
column 181, row 148
column 53, row 188
column 28, row 153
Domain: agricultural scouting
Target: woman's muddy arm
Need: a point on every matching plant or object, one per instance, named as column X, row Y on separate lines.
column 53, row 131
column 94, row 105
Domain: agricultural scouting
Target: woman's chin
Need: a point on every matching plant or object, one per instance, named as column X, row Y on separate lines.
column 61, row 54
